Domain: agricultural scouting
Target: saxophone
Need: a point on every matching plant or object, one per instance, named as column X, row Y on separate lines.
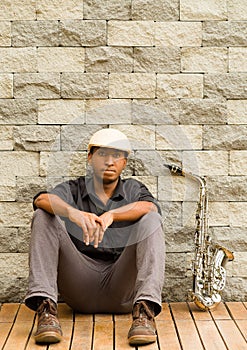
column 208, row 265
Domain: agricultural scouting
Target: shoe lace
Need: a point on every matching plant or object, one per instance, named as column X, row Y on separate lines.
column 47, row 313
column 142, row 314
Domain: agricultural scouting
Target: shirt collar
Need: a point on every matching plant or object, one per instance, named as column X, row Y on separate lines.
column 89, row 188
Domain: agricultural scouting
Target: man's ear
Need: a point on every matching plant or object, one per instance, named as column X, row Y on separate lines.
column 89, row 157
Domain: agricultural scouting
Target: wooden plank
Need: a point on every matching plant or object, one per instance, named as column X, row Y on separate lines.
column 165, row 314
column 210, row 336
column 167, row 335
column 82, row 335
column 199, row 314
column 187, row 331
column 220, row 312
column 4, row 333
column 103, row 335
column 65, row 313
column 31, row 343
column 8, row 312
column 242, row 325
column 237, row 310
column 64, row 344
column 122, row 326
column 231, row 334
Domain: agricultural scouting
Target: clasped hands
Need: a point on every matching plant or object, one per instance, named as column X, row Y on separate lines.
column 93, row 226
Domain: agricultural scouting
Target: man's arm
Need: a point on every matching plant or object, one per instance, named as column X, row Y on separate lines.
column 91, row 224
column 129, row 212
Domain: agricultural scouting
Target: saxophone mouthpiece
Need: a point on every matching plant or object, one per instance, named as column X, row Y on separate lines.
column 175, row 169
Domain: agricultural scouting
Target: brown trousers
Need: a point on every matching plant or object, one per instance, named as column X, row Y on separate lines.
column 88, row 285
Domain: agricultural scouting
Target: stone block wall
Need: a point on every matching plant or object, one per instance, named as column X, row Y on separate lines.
column 171, row 74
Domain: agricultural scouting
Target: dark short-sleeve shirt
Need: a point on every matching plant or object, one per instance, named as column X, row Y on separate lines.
column 80, row 194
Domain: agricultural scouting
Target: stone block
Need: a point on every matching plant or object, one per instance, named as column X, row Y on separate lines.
column 84, row 85
column 18, row 111
column 234, row 289
column 179, row 86
column 238, row 162
column 130, row 33
column 160, row 10
column 28, row 187
column 157, row 59
column 237, row 59
column 203, row 111
column 237, row 111
column 224, row 235
column 156, row 111
column 237, row 214
column 111, row 9
column 237, row 268
column 76, row 137
column 152, row 162
column 82, row 33
column 8, row 240
column 218, row 214
column 142, row 137
column 23, row 239
column 202, row 10
column 175, row 264
column 230, row 85
column 177, row 188
column 61, row 111
column 15, row 214
column 6, row 85
column 225, row 137
column 109, row 59
column 18, row 10
column 206, row 162
column 7, row 189
column 132, row 85
column 105, row 111
column 6, row 138
column 35, row 33
column 176, row 289
column 36, row 138
column 227, row 188
column 204, row 59
column 55, row 9
column 224, row 33
column 237, row 10
column 5, row 33
column 179, row 137
column 60, row 59
column 69, row 164
column 15, row 163
column 18, row 59
column 13, row 277
column 178, row 34
column 37, row 85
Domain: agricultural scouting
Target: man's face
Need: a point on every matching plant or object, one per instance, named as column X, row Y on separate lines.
column 107, row 163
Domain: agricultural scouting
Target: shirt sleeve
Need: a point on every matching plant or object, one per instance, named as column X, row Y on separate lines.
column 139, row 192
column 67, row 191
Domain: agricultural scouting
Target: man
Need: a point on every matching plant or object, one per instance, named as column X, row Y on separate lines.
column 98, row 242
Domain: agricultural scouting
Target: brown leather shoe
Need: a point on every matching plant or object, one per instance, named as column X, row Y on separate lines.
column 48, row 329
column 142, row 330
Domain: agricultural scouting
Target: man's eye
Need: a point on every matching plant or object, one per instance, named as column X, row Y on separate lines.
column 116, row 155
column 102, row 154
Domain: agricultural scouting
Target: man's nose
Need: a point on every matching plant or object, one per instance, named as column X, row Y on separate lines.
column 109, row 159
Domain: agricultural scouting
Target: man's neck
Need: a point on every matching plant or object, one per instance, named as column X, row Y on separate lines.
column 104, row 190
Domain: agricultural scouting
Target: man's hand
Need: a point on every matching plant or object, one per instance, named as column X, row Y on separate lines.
column 93, row 226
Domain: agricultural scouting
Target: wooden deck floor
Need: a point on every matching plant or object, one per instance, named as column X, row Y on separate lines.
column 179, row 326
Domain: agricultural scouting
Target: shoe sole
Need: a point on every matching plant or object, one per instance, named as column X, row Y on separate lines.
column 142, row 339
column 48, row 337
